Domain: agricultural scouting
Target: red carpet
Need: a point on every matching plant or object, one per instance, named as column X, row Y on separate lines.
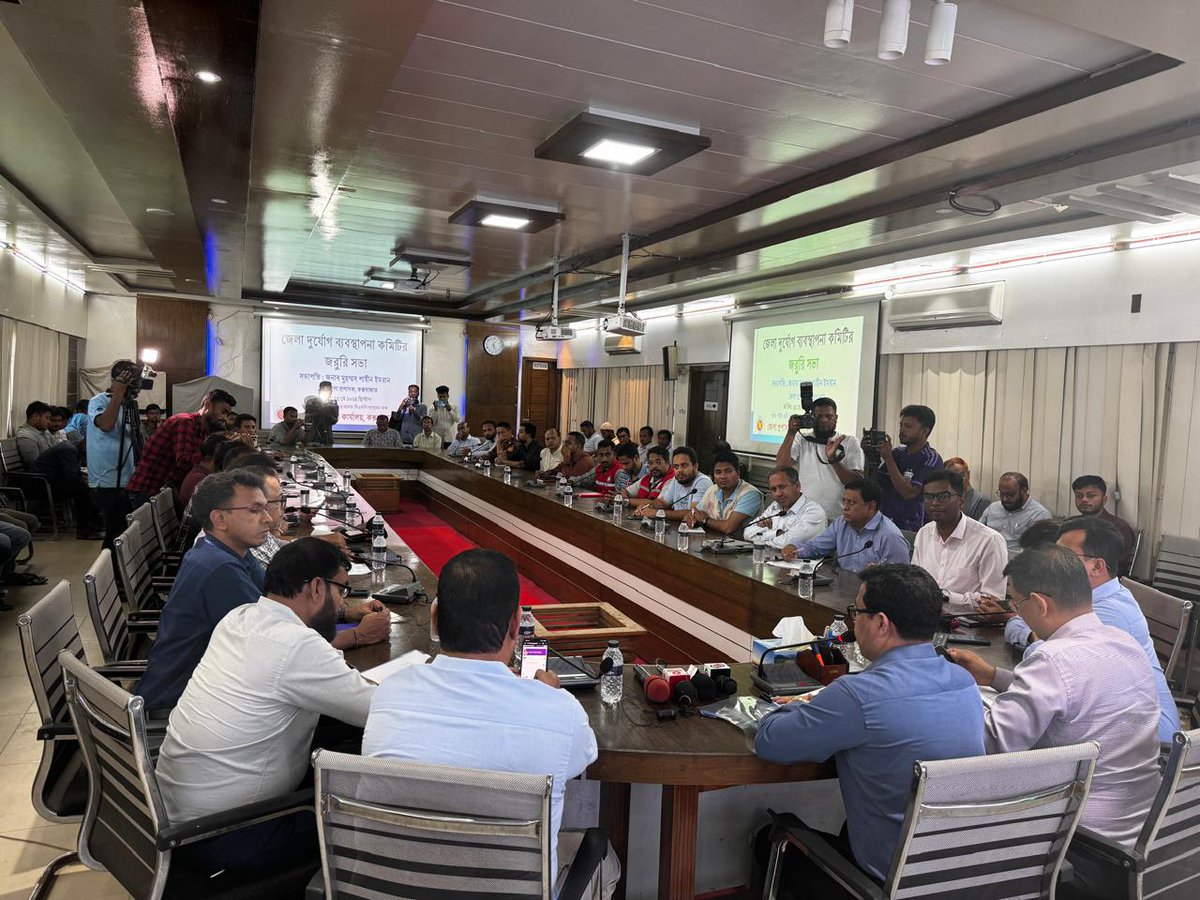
column 436, row 543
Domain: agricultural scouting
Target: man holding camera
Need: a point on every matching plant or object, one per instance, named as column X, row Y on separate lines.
column 321, row 414
column 114, row 443
column 825, row 460
column 445, row 416
column 901, row 476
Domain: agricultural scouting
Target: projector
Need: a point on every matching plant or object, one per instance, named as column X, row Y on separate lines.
column 625, row 323
column 555, row 333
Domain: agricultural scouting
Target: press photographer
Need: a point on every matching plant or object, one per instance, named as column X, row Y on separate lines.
column 824, row 459
column 115, row 441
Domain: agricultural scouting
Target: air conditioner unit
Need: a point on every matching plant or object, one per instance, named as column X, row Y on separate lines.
column 620, row 344
column 958, row 307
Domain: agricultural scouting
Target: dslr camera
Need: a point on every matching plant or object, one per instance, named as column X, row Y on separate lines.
column 805, row 422
column 137, row 377
column 871, row 439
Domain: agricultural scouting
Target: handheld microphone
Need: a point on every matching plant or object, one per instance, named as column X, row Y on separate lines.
column 846, row 637
column 685, row 694
column 656, row 688
column 705, row 687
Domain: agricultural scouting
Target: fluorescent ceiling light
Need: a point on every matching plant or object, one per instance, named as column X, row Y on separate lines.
column 418, row 320
column 893, row 28
column 839, row 16
column 208, row 77
column 619, row 152
column 495, row 220
column 939, row 46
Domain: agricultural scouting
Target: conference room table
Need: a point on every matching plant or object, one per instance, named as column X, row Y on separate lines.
column 686, row 756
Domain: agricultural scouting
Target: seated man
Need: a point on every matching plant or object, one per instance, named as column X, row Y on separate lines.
column 243, row 729
column 623, row 436
column 531, row 448
column 658, row 473
column 154, row 418
column 679, row 495
column 217, row 575
column 974, row 503
column 603, row 476
column 629, row 467
column 964, row 557
column 488, row 442
column 13, row 539
column 290, row 431
column 245, row 427
column 591, row 437
column 468, row 709
column 206, row 465
column 552, row 453
column 506, row 446
column 1086, row 681
column 792, row 518
column 666, row 440
column 463, row 442
column 1098, row 545
column 1014, row 512
column 427, row 440
column 730, row 502
column 58, row 462
column 1091, row 493
column 383, row 434
column 908, row 706
column 574, row 461
column 847, row 537
column 645, row 442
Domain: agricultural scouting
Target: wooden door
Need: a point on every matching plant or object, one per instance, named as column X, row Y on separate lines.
column 541, row 382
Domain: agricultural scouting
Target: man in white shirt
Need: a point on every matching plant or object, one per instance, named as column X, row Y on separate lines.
column 824, row 471
column 791, row 519
column 463, row 442
column 468, row 709
column 427, row 440
column 591, row 437
column 445, row 416
column 552, row 455
column 965, row 557
column 1014, row 512
column 243, row 729
column 383, row 434
column 645, row 442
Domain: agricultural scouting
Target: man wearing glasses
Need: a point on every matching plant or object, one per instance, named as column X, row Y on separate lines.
column 791, row 519
column 909, row 705
column 964, row 557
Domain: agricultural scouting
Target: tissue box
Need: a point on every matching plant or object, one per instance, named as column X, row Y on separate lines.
column 763, row 645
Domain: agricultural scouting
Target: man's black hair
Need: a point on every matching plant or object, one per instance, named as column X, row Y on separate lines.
column 728, row 458
column 218, row 490
column 824, row 401
column 503, row 424
column 605, row 443
column 36, row 408
column 1100, row 540
column 208, row 447
column 661, row 452
column 255, row 460
column 790, row 471
column 578, row 438
column 626, row 450
column 299, row 562
column 219, row 396
column 478, row 593
column 153, row 406
column 922, row 414
column 684, row 451
column 588, row 422
column 242, row 418
column 226, row 455
column 441, row 389
column 1054, row 572
column 288, row 409
column 530, row 429
column 907, row 595
column 1087, row 481
column 868, row 490
column 951, row 478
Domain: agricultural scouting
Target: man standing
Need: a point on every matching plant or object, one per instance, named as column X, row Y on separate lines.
column 823, row 470
column 964, row 557
column 463, row 442
column 908, row 706
column 590, row 436
column 154, row 418
column 903, row 471
column 574, row 461
column 1014, row 512
column 407, row 418
column 658, row 473
column 681, row 493
column 468, row 709
column 383, row 435
column 729, row 503
column 552, row 454
column 113, row 445
column 175, row 447
column 1086, row 682
column 427, row 440
column 321, row 413
column 645, row 442
column 792, row 518
column 445, row 416
column 243, row 729
column 1098, row 546
column 860, row 523
column 288, row 432
column 974, row 503
column 1091, row 493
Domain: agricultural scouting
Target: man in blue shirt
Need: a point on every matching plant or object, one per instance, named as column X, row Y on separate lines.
column 861, row 523
column 113, row 446
column 468, row 709
column 1099, row 547
column 909, row 705
column 217, row 575
column 901, row 476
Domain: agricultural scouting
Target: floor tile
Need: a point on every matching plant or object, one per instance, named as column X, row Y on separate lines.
column 16, row 807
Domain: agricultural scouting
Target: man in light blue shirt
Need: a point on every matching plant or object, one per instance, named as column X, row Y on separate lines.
column 731, row 502
column 1100, row 547
column 468, row 709
column 1014, row 512
column 861, row 523
column 909, row 705
column 678, row 494
column 112, row 450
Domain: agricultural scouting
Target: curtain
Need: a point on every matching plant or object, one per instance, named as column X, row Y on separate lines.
column 632, row 396
column 1178, row 490
column 35, row 365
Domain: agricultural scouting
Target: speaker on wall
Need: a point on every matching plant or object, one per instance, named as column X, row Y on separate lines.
column 670, row 362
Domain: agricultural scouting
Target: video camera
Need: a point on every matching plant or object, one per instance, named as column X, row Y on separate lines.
column 871, row 439
column 137, row 377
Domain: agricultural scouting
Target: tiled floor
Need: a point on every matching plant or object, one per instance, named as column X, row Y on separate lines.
column 28, row 842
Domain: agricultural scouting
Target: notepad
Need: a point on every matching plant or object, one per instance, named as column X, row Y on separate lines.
column 392, row 666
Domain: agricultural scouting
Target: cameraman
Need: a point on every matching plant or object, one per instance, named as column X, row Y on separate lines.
column 321, row 414
column 114, row 445
column 823, row 471
column 901, row 477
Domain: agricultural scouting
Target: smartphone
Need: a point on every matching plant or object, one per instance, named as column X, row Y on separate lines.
column 534, row 657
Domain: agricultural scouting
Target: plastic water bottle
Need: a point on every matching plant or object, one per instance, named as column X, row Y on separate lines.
column 660, row 525
column 378, row 544
column 487, row 467
column 684, row 540
column 804, row 584
column 508, row 474
column 618, row 509
column 759, row 555
column 838, row 626
column 568, row 496
column 560, row 485
column 612, row 681
column 525, row 632
column 304, row 497
column 351, row 510
column 346, row 481
column 292, row 467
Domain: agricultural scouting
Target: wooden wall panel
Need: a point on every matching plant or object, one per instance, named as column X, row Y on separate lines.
column 492, row 380
column 178, row 329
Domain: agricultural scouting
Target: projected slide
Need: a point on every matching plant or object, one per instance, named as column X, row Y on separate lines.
column 370, row 368
column 828, row 353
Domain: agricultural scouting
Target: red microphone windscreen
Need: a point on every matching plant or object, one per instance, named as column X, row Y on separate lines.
column 657, row 689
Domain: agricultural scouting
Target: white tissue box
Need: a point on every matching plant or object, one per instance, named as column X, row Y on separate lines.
column 762, row 645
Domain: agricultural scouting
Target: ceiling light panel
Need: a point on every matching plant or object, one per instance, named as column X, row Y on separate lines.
column 621, row 143
column 619, row 152
column 510, row 215
column 495, row 220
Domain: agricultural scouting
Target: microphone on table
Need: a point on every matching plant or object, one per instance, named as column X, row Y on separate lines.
column 367, row 561
column 656, row 688
column 581, row 667
column 867, row 546
column 846, row 637
column 685, row 694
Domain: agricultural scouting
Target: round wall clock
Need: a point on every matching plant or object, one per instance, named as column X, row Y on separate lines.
column 493, row 345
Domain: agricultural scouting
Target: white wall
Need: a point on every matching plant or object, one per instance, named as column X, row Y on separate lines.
column 703, row 338
column 445, row 360
column 111, row 330
column 29, row 296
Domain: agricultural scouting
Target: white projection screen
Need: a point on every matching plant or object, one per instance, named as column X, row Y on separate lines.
column 370, row 366
column 834, row 345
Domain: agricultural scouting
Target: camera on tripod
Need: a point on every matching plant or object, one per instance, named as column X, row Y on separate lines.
column 137, row 377
column 871, row 439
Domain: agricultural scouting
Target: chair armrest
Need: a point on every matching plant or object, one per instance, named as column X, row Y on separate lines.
column 143, row 627
column 162, row 581
column 232, row 819
column 315, row 889
column 14, row 490
column 55, row 730
column 144, row 615
column 130, row 668
column 1105, row 850
column 816, row 848
column 592, row 850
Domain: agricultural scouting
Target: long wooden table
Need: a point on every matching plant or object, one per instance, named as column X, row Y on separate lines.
column 686, row 756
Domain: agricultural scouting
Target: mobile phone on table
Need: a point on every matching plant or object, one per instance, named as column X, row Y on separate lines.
column 534, row 657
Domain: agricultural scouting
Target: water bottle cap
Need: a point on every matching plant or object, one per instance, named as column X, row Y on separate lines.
column 614, row 643
column 527, row 609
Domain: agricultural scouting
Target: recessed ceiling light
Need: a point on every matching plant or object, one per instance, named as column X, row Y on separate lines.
column 219, row 202
column 158, row 211
column 208, row 77
column 619, row 152
column 497, row 221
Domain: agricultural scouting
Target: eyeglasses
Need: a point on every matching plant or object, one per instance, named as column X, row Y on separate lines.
column 342, row 587
column 940, row 496
column 255, row 509
column 1016, row 604
column 853, row 612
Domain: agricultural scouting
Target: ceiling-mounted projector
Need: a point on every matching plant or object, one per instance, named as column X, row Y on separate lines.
column 624, row 323
column 555, row 333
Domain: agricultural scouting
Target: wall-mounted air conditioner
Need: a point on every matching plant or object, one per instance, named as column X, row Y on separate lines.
column 620, row 344
column 957, row 307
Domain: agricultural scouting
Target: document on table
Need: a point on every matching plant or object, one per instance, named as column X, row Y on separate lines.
column 392, row 666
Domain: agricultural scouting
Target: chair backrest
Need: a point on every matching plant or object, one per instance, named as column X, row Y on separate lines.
column 1170, row 839
column 1168, row 618
column 415, row 827
column 106, row 610
column 1000, row 821
column 134, row 575
column 1136, row 550
column 125, row 810
column 1178, row 568
column 143, row 517
column 10, row 457
column 47, row 629
column 166, row 523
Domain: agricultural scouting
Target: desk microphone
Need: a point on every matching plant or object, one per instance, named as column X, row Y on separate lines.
column 846, row 637
column 867, row 546
column 656, row 688
column 367, row 561
column 574, row 665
